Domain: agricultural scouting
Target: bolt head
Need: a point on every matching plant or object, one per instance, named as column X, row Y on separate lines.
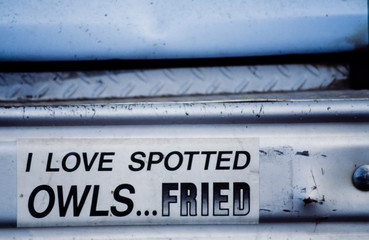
column 360, row 178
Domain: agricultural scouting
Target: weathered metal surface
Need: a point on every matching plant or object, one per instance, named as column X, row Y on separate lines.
column 273, row 231
column 45, row 86
column 188, row 113
column 308, row 149
column 304, row 168
column 298, row 96
column 90, row 30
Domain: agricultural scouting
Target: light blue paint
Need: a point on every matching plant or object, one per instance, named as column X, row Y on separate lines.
column 89, row 30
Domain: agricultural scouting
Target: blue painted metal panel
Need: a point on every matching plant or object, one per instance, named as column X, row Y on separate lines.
column 98, row 30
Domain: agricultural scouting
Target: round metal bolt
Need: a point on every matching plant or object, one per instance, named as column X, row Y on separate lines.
column 360, row 178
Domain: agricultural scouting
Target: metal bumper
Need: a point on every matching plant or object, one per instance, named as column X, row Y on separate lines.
column 309, row 149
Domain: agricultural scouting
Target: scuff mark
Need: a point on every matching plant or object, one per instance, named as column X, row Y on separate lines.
column 262, row 152
column 265, row 210
column 321, row 198
column 303, row 153
column 279, row 152
column 315, row 185
column 94, row 113
column 258, row 115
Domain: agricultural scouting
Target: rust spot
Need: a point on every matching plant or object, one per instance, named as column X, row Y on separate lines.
column 309, row 200
column 319, row 220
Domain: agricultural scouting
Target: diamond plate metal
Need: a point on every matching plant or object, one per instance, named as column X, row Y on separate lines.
column 44, row 86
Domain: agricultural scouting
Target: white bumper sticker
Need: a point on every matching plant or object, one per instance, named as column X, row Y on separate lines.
column 70, row 182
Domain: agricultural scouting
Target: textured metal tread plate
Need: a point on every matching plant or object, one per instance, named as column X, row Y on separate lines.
column 44, row 86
